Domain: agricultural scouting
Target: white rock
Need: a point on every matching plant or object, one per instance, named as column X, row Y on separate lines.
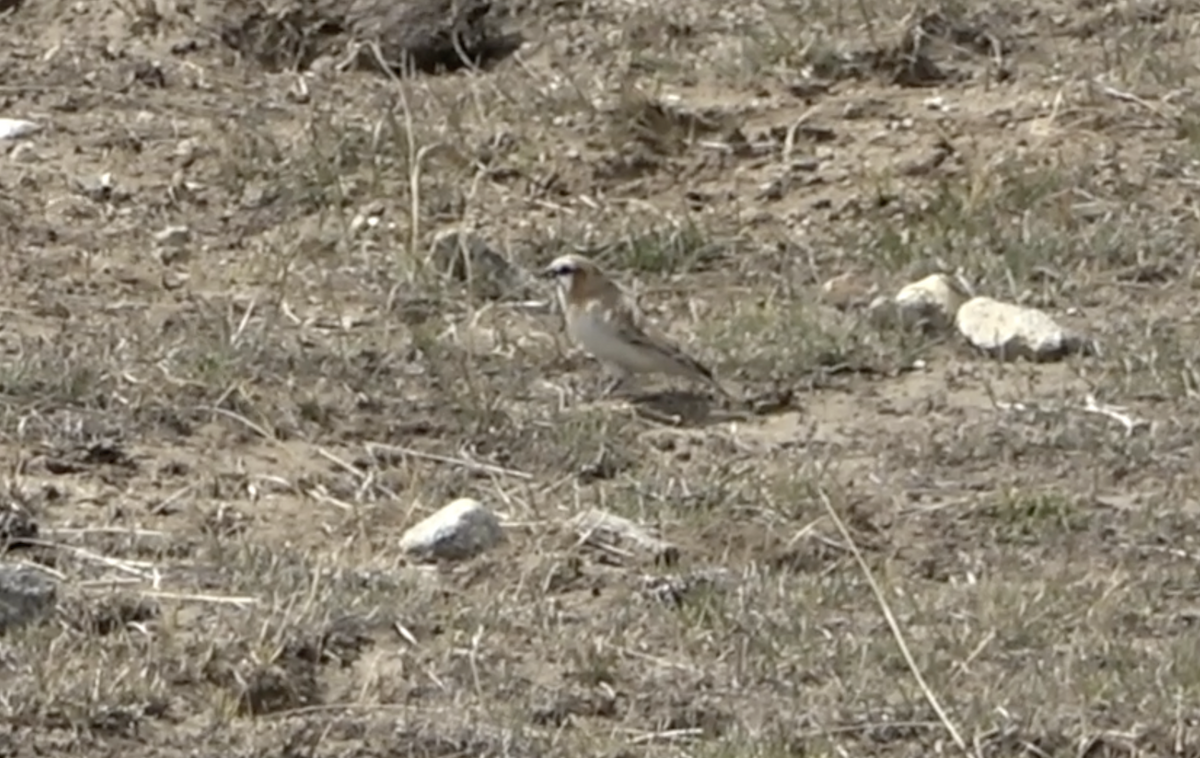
column 12, row 128
column 1010, row 331
column 362, row 222
column 459, row 530
column 173, row 236
column 187, row 149
column 932, row 301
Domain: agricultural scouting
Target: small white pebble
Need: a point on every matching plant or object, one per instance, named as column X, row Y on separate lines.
column 173, row 236
column 14, row 128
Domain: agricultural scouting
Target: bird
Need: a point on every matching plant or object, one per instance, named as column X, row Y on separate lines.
column 606, row 322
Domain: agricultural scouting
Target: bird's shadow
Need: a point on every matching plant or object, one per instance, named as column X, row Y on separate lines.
column 697, row 409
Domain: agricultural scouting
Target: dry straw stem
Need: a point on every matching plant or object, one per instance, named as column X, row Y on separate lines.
column 373, row 448
column 894, row 625
column 134, row 568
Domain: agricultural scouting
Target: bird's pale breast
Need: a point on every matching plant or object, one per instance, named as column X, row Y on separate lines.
column 601, row 338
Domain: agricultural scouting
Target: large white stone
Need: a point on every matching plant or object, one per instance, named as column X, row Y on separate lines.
column 457, row 531
column 13, row 128
column 1012, row 331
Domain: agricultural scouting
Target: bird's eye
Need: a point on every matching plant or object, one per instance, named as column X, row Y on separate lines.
column 559, row 271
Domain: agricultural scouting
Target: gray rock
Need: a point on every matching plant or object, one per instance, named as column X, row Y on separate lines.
column 1009, row 331
column 883, row 313
column 102, row 188
column 25, row 595
column 616, row 533
column 16, row 527
column 468, row 258
column 675, row 589
column 458, row 531
column 428, row 35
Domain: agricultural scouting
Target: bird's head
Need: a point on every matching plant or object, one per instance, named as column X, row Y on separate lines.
column 573, row 274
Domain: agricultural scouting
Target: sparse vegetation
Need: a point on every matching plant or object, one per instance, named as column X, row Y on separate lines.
column 220, row 440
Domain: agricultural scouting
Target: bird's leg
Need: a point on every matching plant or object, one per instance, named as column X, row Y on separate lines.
column 616, row 380
column 612, row 385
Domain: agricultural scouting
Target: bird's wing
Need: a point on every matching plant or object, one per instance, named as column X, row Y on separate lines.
column 629, row 321
column 632, row 326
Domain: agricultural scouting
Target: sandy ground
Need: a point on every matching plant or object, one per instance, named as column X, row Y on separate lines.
column 235, row 371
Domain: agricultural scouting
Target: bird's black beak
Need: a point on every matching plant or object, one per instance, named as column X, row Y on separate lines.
column 548, row 273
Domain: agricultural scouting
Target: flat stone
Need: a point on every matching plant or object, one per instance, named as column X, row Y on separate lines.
column 1009, row 331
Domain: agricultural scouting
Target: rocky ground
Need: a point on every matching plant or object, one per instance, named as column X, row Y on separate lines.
column 267, row 305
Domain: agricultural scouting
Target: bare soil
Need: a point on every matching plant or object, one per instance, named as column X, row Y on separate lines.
column 236, row 367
